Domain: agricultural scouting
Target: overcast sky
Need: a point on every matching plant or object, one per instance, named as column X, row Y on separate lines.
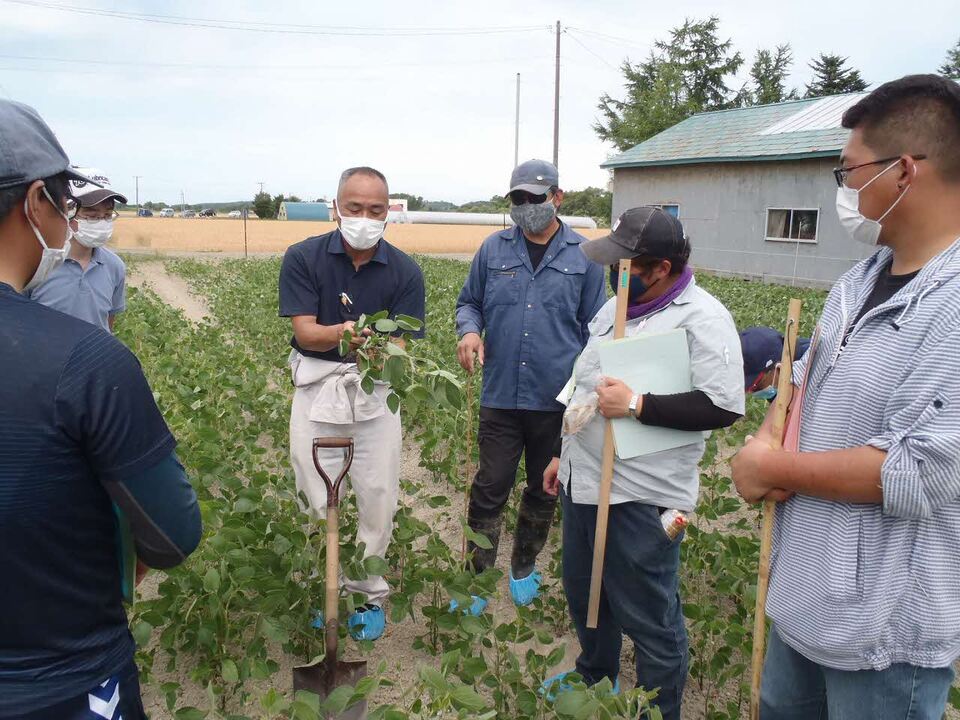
column 212, row 112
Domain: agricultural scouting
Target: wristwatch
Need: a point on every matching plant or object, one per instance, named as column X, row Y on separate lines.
column 634, row 401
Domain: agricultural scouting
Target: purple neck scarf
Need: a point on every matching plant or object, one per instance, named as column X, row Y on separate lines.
column 636, row 310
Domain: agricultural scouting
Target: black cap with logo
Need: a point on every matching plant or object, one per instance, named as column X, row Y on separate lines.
column 646, row 231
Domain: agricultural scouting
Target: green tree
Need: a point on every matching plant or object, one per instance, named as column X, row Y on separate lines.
column 684, row 75
column 768, row 75
column 414, row 202
column 263, row 205
column 590, row 202
column 275, row 205
column 951, row 66
column 496, row 204
column 832, row 77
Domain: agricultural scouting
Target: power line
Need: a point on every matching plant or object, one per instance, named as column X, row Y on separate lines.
column 598, row 57
column 200, row 66
column 281, row 28
column 610, row 38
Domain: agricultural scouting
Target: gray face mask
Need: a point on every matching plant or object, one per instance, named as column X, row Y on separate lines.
column 533, row 219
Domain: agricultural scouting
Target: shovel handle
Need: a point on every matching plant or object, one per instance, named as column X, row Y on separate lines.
column 333, row 487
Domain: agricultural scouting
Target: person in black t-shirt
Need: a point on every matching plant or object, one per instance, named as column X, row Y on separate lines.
column 78, row 429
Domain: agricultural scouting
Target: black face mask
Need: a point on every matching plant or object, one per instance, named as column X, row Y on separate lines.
column 637, row 286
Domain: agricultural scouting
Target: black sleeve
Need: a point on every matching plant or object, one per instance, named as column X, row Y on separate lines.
column 685, row 411
column 558, row 444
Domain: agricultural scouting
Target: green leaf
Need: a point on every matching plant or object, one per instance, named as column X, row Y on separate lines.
column 366, row 384
column 344, row 348
column 385, row 326
column 466, row 698
column 211, row 581
column 337, row 700
column 955, row 697
column 393, row 402
column 190, row 713
column 375, row 565
column 229, row 672
column 244, row 505
column 481, row 541
column 434, row 679
column 141, row 633
column 406, row 322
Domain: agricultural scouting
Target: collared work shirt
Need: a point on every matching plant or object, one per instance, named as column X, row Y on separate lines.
column 92, row 294
column 534, row 322
column 318, row 278
column 669, row 478
column 858, row 586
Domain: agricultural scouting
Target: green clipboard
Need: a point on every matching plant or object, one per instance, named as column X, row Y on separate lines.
column 127, row 556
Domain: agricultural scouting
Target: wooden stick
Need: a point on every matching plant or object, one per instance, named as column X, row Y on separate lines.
column 606, row 469
column 468, row 463
column 784, row 395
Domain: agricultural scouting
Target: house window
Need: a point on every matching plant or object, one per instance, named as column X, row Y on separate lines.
column 671, row 208
column 792, row 225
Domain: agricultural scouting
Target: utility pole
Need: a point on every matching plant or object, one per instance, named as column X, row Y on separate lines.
column 136, row 179
column 181, row 202
column 516, row 132
column 556, row 105
column 260, row 183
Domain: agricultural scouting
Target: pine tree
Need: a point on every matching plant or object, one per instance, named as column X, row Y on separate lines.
column 831, row 77
column 768, row 75
column 951, row 66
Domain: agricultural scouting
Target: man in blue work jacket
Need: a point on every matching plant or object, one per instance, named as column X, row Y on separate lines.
column 523, row 313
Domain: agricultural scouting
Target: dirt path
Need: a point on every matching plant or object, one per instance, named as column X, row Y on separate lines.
column 172, row 289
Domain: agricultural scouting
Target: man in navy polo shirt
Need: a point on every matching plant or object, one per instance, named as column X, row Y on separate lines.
column 530, row 293
column 326, row 283
column 78, row 429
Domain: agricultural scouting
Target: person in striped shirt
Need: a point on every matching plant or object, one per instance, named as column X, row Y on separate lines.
column 865, row 572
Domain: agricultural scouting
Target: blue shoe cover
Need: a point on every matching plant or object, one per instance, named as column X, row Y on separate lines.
column 556, row 685
column 525, row 590
column 478, row 605
column 367, row 623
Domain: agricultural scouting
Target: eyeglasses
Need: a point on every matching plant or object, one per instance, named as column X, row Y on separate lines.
column 73, row 207
column 840, row 174
column 113, row 215
column 522, row 197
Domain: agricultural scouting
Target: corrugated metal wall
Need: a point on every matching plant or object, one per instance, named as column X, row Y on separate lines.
column 723, row 207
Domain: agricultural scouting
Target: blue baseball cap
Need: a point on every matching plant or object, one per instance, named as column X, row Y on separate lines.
column 28, row 148
column 762, row 348
column 535, row 177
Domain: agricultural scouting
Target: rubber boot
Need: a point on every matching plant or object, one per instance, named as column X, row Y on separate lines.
column 533, row 526
column 480, row 558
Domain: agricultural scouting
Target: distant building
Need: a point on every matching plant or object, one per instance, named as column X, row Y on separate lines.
column 752, row 186
column 316, row 211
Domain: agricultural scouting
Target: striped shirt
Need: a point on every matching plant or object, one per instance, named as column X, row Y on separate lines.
column 860, row 586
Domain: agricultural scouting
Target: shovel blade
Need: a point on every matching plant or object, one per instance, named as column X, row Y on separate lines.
column 323, row 678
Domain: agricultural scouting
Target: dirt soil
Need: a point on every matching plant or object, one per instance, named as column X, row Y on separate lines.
column 396, row 646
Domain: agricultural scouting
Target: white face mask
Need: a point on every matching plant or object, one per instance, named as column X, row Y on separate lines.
column 860, row 228
column 93, row 233
column 361, row 233
column 50, row 258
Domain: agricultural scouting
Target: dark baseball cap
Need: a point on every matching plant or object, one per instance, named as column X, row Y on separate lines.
column 28, row 148
column 641, row 231
column 535, row 177
column 762, row 348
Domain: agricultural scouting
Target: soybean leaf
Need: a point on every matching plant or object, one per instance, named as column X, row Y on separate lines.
column 385, row 326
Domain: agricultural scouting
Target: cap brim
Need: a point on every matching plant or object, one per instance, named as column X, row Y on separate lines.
column 606, row 250
column 532, row 189
column 80, row 177
column 98, row 196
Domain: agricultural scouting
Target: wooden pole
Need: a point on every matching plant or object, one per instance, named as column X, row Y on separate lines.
column 606, row 469
column 782, row 403
column 468, row 464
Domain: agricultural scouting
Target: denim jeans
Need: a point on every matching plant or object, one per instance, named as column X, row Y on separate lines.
column 795, row 688
column 639, row 598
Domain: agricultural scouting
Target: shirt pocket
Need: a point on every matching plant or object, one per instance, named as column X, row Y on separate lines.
column 845, row 556
column 504, row 276
column 560, row 283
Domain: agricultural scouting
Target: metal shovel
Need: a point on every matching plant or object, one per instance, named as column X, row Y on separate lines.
column 324, row 676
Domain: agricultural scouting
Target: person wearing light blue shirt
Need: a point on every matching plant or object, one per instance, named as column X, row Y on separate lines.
column 91, row 283
column 523, row 312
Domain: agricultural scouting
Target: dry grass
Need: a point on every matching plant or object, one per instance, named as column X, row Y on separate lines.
column 226, row 235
